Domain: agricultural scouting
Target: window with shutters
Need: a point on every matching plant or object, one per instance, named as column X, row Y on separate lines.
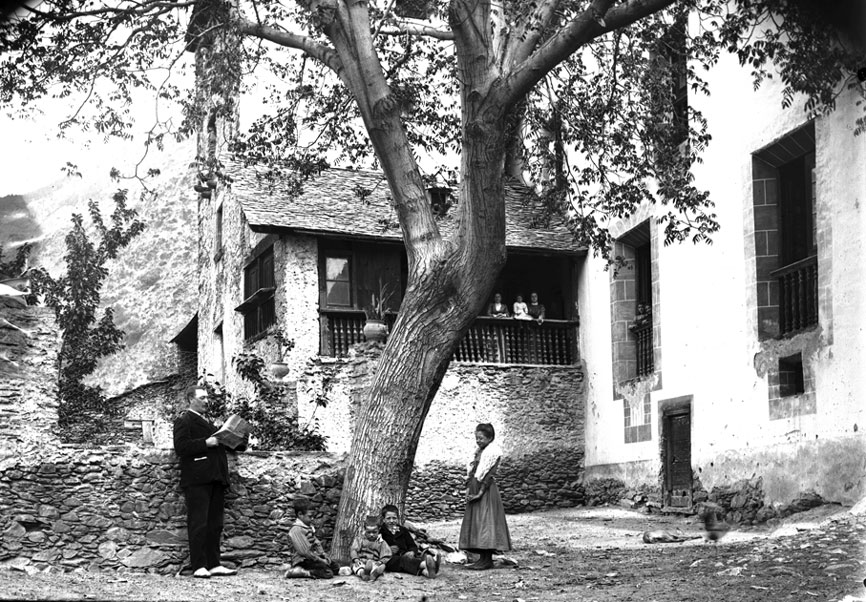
column 258, row 307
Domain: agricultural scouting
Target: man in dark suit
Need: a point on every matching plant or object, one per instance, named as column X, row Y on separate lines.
column 204, row 477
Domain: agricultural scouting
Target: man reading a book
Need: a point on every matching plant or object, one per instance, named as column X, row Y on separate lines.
column 204, row 477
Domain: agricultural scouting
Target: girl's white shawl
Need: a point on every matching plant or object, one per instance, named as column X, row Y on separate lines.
column 489, row 457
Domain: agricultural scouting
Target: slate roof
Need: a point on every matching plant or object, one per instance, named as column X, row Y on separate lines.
column 329, row 205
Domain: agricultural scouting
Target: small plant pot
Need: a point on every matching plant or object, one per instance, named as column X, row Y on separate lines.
column 375, row 330
column 279, row 369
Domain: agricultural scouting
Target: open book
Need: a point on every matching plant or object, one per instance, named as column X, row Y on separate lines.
column 233, row 432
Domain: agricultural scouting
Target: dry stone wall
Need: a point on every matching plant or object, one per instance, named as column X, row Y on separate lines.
column 120, row 507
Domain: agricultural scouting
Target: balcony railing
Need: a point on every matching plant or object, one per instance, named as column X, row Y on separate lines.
column 798, row 295
column 643, row 337
column 489, row 340
column 508, row 341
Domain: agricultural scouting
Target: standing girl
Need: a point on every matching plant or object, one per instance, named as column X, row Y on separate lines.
column 484, row 530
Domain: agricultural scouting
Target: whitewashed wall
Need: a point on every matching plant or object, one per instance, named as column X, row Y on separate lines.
column 708, row 318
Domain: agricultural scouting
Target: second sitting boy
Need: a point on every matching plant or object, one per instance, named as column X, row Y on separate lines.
column 369, row 552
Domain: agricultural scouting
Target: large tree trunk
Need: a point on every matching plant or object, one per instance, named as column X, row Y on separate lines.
column 449, row 281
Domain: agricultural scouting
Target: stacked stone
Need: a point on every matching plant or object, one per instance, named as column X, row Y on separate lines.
column 436, row 492
column 599, row 492
column 541, row 480
column 536, row 481
column 120, row 508
column 29, row 341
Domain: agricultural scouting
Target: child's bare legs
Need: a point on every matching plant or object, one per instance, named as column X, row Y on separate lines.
column 363, row 569
column 376, row 571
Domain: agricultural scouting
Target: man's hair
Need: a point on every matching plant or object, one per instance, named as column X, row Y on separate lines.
column 301, row 505
column 190, row 392
column 390, row 508
column 487, row 429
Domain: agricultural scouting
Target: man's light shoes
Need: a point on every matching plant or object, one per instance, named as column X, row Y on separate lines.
column 202, row 573
column 221, row 571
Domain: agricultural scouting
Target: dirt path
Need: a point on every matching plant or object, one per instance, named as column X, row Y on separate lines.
column 593, row 554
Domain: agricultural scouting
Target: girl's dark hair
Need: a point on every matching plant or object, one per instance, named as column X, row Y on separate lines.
column 487, row 429
column 301, row 505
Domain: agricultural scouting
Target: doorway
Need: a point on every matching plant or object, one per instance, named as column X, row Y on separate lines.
column 676, row 442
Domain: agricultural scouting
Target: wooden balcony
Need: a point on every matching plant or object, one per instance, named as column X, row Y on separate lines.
column 489, row 340
column 509, row 341
column 798, row 295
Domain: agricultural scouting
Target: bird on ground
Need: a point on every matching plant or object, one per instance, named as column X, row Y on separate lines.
column 715, row 528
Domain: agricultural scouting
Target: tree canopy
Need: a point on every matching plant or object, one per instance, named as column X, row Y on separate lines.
column 589, row 82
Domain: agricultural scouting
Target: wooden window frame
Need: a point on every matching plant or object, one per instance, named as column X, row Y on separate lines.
column 258, row 307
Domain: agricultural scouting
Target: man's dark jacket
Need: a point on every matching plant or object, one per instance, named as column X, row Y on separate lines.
column 199, row 464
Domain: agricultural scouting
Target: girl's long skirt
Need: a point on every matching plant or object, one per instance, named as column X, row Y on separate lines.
column 484, row 526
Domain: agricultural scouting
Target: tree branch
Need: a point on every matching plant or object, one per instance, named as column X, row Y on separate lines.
column 416, row 27
column 592, row 23
column 525, row 41
column 327, row 56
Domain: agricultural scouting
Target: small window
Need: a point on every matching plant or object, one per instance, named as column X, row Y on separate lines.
column 791, row 381
column 338, row 282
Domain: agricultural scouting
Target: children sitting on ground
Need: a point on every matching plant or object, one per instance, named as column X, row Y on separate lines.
column 370, row 552
column 308, row 556
column 405, row 555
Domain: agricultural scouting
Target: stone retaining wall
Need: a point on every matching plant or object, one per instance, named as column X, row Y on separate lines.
column 119, row 507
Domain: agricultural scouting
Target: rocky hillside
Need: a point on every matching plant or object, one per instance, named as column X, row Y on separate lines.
column 152, row 285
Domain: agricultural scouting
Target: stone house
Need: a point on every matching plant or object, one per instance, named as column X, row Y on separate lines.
column 309, row 263
column 734, row 371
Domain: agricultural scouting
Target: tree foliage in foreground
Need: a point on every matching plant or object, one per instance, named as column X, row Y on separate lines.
column 573, row 97
column 85, row 336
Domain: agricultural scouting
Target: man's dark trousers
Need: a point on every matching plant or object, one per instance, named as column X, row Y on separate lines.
column 204, row 523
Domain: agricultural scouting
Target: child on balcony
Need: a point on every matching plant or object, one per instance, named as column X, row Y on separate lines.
column 370, row 552
column 520, row 309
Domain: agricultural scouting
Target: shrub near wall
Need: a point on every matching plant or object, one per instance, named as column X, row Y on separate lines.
column 119, row 507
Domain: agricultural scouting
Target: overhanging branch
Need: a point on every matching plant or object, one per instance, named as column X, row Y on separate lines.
column 594, row 22
column 320, row 52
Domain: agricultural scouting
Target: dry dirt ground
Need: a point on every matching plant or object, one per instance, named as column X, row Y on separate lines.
column 582, row 555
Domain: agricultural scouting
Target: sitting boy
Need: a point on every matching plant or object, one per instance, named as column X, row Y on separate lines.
column 369, row 552
column 405, row 555
column 308, row 556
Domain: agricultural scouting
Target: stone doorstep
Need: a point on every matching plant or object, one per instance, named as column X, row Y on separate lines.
column 678, row 510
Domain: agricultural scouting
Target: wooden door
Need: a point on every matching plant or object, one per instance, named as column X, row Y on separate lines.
column 678, row 459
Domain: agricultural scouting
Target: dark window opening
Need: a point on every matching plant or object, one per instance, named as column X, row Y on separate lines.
column 258, row 306
column 786, row 254
column 797, row 209
column 791, row 381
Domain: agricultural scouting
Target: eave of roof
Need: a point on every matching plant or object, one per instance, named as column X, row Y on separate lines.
column 329, row 205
